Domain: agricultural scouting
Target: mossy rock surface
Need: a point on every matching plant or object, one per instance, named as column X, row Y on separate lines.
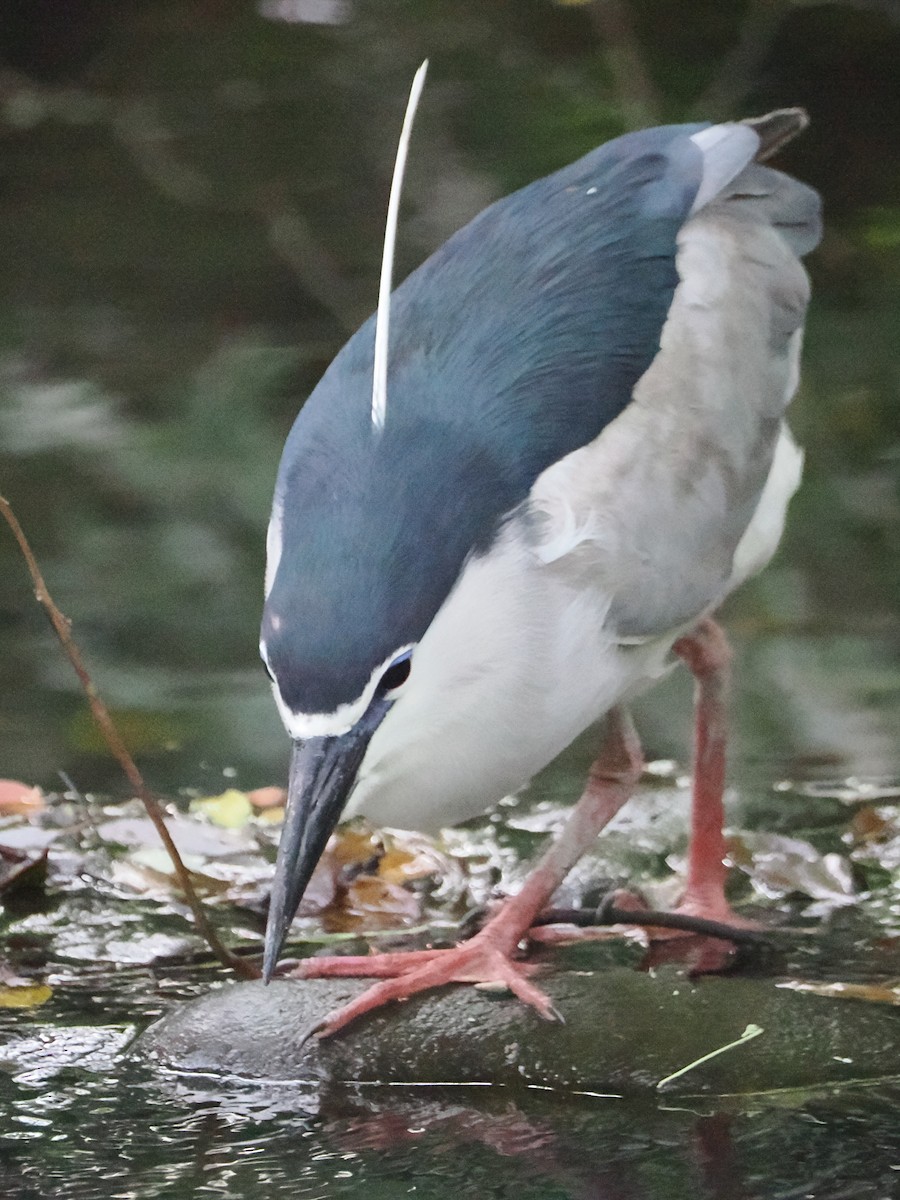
column 624, row 1031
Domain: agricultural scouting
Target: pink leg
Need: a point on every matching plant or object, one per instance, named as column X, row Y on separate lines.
column 708, row 655
column 488, row 956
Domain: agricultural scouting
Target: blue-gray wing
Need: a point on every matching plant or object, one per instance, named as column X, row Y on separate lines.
column 684, row 495
column 516, row 344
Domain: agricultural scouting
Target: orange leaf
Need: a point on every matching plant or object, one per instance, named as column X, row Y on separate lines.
column 19, row 798
column 267, row 797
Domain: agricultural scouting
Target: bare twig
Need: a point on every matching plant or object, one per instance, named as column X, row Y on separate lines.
column 606, row 913
column 62, row 627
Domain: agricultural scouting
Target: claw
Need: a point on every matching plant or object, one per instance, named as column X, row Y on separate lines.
column 405, row 974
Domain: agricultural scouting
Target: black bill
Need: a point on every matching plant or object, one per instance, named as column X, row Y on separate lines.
column 323, row 770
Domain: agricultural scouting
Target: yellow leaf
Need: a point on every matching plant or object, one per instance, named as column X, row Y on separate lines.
column 354, row 846
column 368, row 894
column 874, row 993
column 231, row 810
column 399, row 866
column 24, row 997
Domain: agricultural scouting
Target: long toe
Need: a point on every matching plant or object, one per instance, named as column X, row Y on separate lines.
column 404, row 975
column 363, row 966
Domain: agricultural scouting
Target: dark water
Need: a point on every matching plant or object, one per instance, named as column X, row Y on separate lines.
column 191, row 197
column 78, row 1121
column 80, row 1136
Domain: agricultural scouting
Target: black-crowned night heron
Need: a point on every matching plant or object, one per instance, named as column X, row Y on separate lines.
column 582, row 451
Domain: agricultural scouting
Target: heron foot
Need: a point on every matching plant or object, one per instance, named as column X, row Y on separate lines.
column 490, row 957
column 713, row 908
column 407, row 973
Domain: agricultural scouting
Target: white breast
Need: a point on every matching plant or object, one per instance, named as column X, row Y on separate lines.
column 516, row 664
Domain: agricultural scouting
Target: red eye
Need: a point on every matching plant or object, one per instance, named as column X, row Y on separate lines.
column 396, row 675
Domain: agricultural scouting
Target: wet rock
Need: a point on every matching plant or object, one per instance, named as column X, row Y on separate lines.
column 624, row 1031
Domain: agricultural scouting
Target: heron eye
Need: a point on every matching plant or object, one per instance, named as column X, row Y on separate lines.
column 396, row 675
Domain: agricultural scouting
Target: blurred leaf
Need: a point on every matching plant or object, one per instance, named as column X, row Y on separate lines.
column 158, row 861
column 782, row 866
column 371, row 902
column 872, row 993
column 882, row 229
column 231, row 810
column 142, row 731
column 267, row 797
column 24, row 997
column 352, row 846
column 19, row 871
column 404, row 862
column 869, row 825
column 150, row 874
column 19, row 798
column 192, row 836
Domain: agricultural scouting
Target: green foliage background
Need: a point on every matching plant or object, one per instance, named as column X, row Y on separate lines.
column 192, row 200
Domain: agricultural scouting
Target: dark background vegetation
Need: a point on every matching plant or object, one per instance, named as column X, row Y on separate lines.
column 192, row 196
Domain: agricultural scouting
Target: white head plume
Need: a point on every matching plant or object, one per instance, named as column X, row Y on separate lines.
column 383, row 315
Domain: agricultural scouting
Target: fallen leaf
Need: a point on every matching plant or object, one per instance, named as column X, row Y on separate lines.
column 19, row 799
column 190, row 835
column 231, row 810
column 19, row 871
column 874, row 993
column 321, row 890
column 868, row 825
column 353, row 847
column 25, row 997
column 267, row 797
column 369, row 896
column 781, row 866
column 150, row 873
column 399, row 865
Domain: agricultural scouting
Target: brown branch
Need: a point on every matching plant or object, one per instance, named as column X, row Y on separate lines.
column 62, row 627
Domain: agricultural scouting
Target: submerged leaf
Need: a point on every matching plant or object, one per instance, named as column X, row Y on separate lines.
column 373, row 903
column 24, row 997
column 353, row 847
column 401, row 864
